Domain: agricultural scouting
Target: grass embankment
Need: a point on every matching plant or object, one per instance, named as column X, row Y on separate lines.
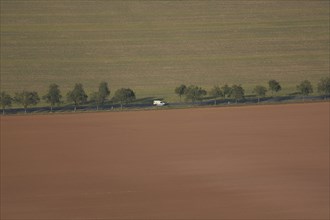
column 152, row 47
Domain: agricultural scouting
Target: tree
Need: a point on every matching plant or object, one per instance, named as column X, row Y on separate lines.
column 53, row 96
column 194, row 93
column 225, row 90
column 5, row 101
column 260, row 91
column 323, row 87
column 101, row 95
column 305, row 88
column 216, row 92
column 124, row 95
column 180, row 90
column 237, row 92
column 77, row 95
column 104, row 92
column 27, row 98
column 274, row 86
column 96, row 98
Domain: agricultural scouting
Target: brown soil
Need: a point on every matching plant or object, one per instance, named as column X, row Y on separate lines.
column 257, row 162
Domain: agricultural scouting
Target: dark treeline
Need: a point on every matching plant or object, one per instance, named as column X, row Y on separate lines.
column 235, row 92
column 77, row 96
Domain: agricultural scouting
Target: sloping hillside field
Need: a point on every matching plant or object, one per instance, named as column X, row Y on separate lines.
column 257, row 162
column 154, row 46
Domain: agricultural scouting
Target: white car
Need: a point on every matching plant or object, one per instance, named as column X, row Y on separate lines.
column 159, row 103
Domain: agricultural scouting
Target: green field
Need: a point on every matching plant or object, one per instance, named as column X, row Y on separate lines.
column 153, row 46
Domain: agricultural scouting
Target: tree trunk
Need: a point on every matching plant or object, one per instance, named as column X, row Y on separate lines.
column 3, row 111
column 258, row 100
column 97, row 107
column 215, row 101
column 121, row 106
column 51, row 108
column 25, row 110
column 75, row 106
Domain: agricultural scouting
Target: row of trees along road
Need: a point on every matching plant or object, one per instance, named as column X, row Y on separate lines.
column 77, row 97
column 195, row 93
column 237, row 92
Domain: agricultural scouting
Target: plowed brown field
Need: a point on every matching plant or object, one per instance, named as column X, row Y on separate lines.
column 255, row 162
